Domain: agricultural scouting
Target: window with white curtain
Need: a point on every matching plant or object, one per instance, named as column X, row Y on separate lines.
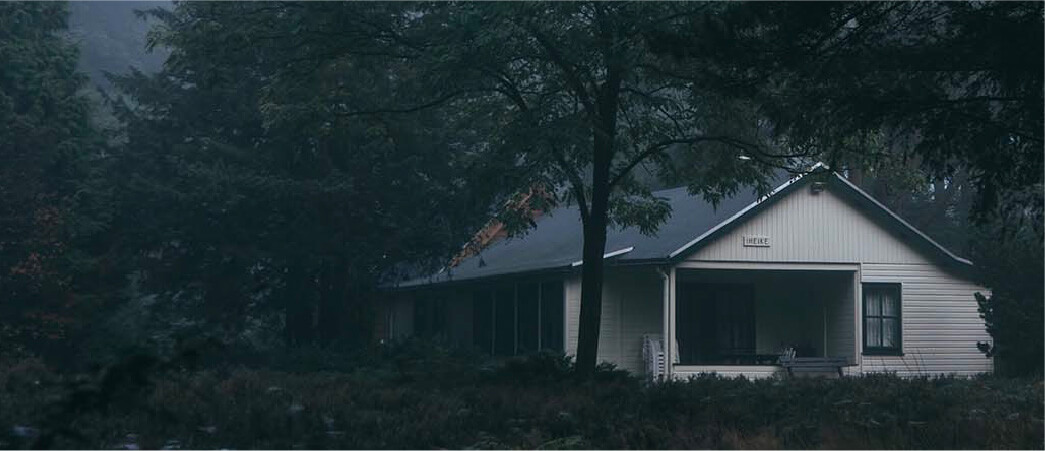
column 883, row 325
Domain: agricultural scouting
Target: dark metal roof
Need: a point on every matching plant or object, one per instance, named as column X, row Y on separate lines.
column 556, row 242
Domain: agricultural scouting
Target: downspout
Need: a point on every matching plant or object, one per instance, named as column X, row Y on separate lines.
column 667, row 322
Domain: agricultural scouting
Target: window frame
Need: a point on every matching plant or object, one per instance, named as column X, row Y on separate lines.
column 897, row 289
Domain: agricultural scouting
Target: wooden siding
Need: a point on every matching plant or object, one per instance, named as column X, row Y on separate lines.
column 941, row 324
column 632, row 305
column 806, row 227
column 841, row 320
column 641, row 311
column 572, row 295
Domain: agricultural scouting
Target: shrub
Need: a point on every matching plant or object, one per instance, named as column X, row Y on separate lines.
column 412, row 395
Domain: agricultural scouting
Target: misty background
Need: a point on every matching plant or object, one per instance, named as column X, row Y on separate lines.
column 112, row 39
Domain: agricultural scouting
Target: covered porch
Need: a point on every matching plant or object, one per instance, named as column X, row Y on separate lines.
column 739, row 319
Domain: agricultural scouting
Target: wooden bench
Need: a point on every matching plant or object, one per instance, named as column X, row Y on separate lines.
column 813, row 364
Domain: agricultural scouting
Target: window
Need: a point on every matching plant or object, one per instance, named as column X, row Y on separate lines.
column 504, row 320
column 515, row 319
column 882, row 319
column 551, row 313
column 482, row 323
column 429, row 317
column 527, row 319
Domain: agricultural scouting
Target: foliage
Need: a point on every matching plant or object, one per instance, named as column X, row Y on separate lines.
column 389, row 405
column 50, row 218
column 243, row 205
column 1014, row 310
column 951, row 84
column 567, row 97
column 111, row 39
column 290, row 156
column 293, row 156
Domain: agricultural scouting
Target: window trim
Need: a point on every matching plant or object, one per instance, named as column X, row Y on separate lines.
column 879, row 350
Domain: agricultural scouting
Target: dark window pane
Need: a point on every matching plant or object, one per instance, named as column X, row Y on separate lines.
column 527, row 318
column 890, row 303
column 552, row 316
column 420, row 317
column 874, row 302
column 715, row 323
column 429, row 317
column 482, row 320
column 890, row 333
column 873, row 333
column 504, row 321
column 694, row 323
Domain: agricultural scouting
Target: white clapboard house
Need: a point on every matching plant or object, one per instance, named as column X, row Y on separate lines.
column 817, row 270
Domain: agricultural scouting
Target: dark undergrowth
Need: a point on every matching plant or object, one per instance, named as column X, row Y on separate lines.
column 422, row 397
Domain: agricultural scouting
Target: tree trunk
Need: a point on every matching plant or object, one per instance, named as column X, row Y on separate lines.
column 591, row 285
column 595, row 227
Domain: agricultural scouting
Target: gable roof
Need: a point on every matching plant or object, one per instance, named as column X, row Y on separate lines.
column 557, row 241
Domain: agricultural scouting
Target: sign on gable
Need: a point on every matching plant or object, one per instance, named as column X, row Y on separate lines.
column 756, row 241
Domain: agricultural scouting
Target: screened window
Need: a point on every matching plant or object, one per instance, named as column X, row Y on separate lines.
column 882, row 319
column 482, row 320
column 429, row 317
column 716, row 324
column 516, row 319
column 504, row 321
column 526, row 318
column 551, row 313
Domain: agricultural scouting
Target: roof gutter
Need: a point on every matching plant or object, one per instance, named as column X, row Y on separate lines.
column 606, row 255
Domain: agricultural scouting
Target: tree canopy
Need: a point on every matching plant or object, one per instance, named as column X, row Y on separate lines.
column 562, row 97
column 290, row 158
column 249, row 204
column 50, row 217
column 952, row 85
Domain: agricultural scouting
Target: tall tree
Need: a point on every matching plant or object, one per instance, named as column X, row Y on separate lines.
column 564, row 96
column 245, row 204
column 579, row 103
column 47, row 144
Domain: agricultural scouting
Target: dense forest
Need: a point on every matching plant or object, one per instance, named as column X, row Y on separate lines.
column 236, row 181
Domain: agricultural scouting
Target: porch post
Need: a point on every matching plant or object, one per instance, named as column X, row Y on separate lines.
column 669, row 326
column 858, row 320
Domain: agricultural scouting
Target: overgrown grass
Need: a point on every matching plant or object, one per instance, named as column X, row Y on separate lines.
column 425, row 398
